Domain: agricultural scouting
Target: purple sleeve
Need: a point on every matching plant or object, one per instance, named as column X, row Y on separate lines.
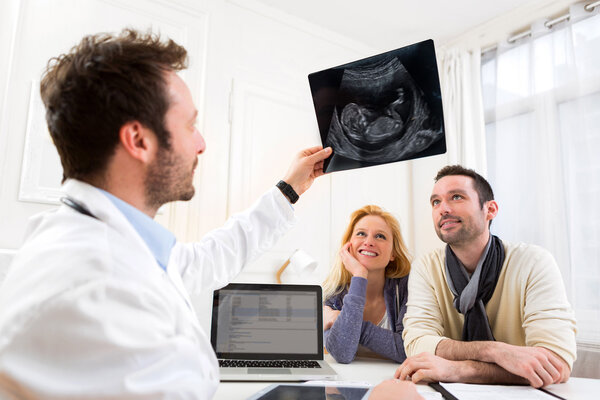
column 383, row 341
column 389, row 343
column 349, row 330
column 342, row 339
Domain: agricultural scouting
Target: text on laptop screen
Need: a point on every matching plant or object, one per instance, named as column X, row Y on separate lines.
column 269, row 322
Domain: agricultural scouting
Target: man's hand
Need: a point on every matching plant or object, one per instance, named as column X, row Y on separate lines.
column 329, row 317
column 393, row 389
column 306, row 166
column 538, row 365
column 351, row 264
column 428, row 368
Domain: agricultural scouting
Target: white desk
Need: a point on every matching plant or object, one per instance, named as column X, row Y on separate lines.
column 374, row 371
column 577, row 389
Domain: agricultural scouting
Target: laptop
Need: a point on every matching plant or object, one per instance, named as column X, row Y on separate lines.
column 268, row 332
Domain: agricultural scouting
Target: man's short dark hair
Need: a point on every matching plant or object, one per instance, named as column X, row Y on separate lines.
column 102, row 83
column 481, row 186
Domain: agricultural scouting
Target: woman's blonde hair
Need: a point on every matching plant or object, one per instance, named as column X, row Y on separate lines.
column 339, row 278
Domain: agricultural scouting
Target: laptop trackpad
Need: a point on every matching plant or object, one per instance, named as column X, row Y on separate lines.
column 269, row 371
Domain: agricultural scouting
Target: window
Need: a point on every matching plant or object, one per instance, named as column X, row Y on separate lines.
column 542, row 113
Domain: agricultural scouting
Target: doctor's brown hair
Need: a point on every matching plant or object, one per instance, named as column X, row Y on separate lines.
column 339, row 278
column 102, row 83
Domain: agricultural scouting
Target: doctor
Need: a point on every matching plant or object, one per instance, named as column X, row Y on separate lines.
column 96, row 304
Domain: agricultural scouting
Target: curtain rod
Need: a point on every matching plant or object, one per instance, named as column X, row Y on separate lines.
column 548, row 24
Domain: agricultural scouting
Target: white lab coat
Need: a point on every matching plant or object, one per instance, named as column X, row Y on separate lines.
column 87, row 313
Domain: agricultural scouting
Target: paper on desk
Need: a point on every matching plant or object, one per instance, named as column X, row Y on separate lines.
column 467, row 391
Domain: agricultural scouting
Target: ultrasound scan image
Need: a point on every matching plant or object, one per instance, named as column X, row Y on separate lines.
column 381, row 109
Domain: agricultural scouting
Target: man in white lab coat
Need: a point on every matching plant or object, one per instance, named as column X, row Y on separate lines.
column 96, row 304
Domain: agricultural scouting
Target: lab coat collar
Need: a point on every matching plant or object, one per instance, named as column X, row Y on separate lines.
column 104, row 209
column 158, row 238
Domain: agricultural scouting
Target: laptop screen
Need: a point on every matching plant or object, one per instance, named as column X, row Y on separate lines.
column 264, row 321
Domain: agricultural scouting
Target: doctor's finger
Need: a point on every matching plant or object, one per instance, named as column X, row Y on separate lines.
column 311, row 150
column 318, row 169
column 317, row 154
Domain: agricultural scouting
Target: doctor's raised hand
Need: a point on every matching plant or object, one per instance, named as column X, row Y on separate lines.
column 306, row 166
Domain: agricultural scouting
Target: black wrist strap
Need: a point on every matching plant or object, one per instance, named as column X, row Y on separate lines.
column 288, row 191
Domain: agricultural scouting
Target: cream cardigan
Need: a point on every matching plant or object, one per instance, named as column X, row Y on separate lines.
column 529, row 306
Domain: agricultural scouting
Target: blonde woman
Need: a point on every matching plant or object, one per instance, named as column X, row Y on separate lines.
column 366, row 290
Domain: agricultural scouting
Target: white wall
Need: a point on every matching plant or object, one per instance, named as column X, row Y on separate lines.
column 32, row 33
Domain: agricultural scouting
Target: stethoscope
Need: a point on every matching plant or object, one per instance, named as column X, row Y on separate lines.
column 80, row 208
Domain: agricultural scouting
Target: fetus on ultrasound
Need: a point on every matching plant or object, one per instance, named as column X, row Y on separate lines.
column 384, row 116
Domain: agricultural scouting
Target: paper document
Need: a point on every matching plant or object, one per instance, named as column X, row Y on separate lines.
column 467, row 391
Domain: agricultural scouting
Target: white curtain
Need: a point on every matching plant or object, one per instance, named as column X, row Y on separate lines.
column 541, row 100
column 459, row 70
column 463, row 110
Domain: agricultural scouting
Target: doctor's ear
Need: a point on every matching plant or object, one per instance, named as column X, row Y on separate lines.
column 137, row 140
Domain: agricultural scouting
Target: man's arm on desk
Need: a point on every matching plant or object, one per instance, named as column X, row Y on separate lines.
column 485, row 362
column 538, row 365
column 426, row 367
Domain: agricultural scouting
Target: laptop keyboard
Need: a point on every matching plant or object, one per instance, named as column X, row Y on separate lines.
column 269, row 363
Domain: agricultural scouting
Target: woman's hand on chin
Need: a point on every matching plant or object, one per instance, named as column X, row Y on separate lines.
column 351, row 264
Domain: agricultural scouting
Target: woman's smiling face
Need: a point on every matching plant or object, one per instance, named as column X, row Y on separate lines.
column 372, row 242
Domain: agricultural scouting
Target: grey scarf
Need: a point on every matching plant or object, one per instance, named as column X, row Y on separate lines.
column 472, row 294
